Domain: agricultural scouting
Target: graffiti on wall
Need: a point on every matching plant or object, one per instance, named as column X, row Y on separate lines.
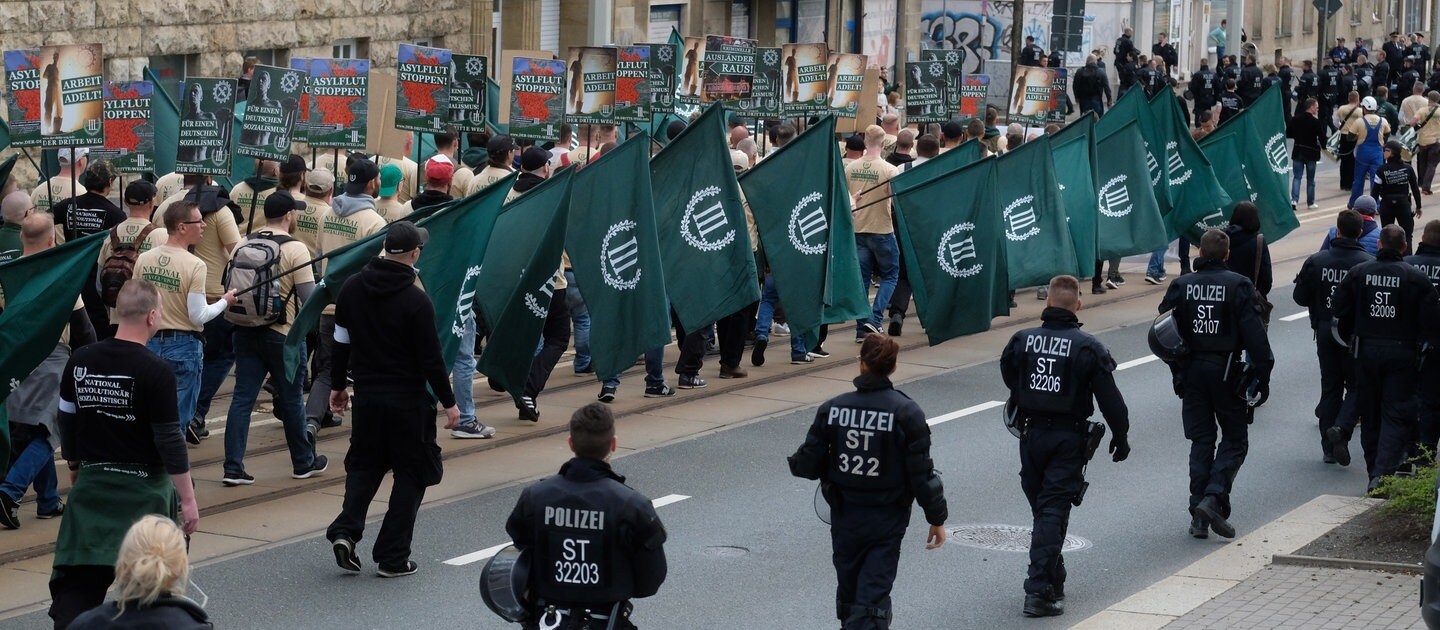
column 981, row 29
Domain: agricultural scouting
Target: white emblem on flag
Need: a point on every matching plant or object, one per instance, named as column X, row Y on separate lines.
column 957, row 245
column 804, row 225
column 1115, row 198
column 617, row 258
column 1279, row 157
column 1176, row 164
column 705, row 218
column 1020, row 221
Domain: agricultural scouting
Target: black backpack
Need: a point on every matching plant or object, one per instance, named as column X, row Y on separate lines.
column 119, row 266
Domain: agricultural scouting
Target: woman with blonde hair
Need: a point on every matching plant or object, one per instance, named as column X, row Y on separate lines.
column 151, row 572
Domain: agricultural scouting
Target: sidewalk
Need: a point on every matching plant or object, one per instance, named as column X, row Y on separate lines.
column 1316, row 599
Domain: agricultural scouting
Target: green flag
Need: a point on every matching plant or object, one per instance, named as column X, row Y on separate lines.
column 1073, row 153
column 518, row 274
column 492, row 107
column 165, row 118
column 1194, row 191
column 40, row 292
column 615, row 251
column 1252, row 160
column 1129, row 221
column 1134, row 108
column 802, row 211
column 953, row 251
column 450, row 263
column 704, row 244
column 1037, row 243
column 943, row 164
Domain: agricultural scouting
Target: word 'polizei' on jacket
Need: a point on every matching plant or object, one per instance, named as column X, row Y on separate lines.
column 1057, row 371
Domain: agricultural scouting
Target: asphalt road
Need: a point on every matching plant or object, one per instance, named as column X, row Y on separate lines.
column 747, row 551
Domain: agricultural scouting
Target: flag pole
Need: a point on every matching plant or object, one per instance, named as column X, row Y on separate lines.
column 419, row 147
column 49, row 192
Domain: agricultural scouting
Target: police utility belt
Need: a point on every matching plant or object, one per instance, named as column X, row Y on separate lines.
column 554, row 616
column 1094, row 431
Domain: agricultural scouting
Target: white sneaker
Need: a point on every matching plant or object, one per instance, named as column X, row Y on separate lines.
column 780, row 330
column 1313, row 206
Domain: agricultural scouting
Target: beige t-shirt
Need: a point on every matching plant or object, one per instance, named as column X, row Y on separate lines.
column 1358, row 125
column 168, row 185
column 158, row 216
column 484, row 178
column 337, row 231
column 242, row 194
column 1410, row 106
column 307, row 222
column 390, row 209
column 221, row 235
column 59, row 186
column 128, row 231
column 177, row 273
column 293, row 255
column 460, row 181
column 1430, row 131
column 870, row 173
column 580, row 156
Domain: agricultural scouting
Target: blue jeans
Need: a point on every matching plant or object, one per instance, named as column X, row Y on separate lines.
column 580, row 318
column 186, row 358
column 765, row 316
column 879, row 254
column 462, row 372
column 1365, row 168
column 1156, row 269
column 654, row 369
column 219, row 357
column 1303, row 170
column 258, row 352
column 35, row 465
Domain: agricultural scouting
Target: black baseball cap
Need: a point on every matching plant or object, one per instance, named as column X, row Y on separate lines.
column 359, row 172
column 534, row 159
column 952, row 129
column 293, row 164
column 500, row 144
column 404, row 236
column 139, row 192
column 855, row 143
column 280, row 202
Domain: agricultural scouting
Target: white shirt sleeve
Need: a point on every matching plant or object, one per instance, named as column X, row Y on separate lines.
column 342, row 335
column 200, row 312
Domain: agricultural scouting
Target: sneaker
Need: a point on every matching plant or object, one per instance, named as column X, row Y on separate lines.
column 1116, row 278
column 801, row 359
column 607, row 393
column 200, row 429
column 659, row 391
column 780, row 330
column 312, row 433
column 732, row 372
column 1155, row 279
column 472, row 431
column 589, row 369
column 897, row 321
column 409, row 568
column 692, row 382
column 9, row 512
column 192, row 437
column 45, row 516
column 316, row 467
column 819, row 353
column 230, row 480
column 870, row 328
column 1042, row 293
column 345, row 555
column 1316, row 206
column 528, row 410
column 1111, row 283
column 757, row 354
column 331, row 420
column 1096, row 289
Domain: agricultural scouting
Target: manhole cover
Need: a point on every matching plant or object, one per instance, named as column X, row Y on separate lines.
column 1005, row 538
column 726, row 551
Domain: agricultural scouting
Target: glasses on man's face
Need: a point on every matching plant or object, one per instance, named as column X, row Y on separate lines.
column 195, row 222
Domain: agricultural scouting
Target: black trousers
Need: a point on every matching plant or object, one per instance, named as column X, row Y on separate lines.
column 1210, row 409
column 1400, row 214
column 1427, row 157
column 76, row 589
column 1386, row 378
column 1338, row 396
column 554, row 340
column 865, row 541
column 1429, row 401
column 1052, row 464
column 692, row 348
column 730, row 332
column 1347, row 170
column 389, row 432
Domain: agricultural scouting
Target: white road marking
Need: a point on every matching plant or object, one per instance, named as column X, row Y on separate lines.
column 973, row 409
column 486, row 553
column 1140, row 361
column 1291, row 318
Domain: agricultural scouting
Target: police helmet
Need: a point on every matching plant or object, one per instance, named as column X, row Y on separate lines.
column 822, row 505
column 1010, row 415
column 1165, row 340
column 505, row 584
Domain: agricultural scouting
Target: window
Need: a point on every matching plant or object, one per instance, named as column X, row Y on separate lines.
column 1355, row 12
column 171, row 70
column 1412, row 16
column 1309, row 18
column 270, row 56
column 1284, row 18
column 1375, row 10
column 351, row 48
column 663, row 18
column 784, row 22
column 429, row 42
column 740, row 18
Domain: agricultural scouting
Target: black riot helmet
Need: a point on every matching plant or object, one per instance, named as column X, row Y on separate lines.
column 1010, row 414
column 505, row 584
column 1165, row 340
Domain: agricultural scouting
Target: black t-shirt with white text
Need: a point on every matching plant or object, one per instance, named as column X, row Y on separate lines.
column 117, row 404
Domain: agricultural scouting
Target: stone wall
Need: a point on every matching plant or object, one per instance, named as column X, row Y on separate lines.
column 217, row 31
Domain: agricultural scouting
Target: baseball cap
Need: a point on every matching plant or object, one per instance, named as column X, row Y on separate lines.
column 1365, row 204
column 390, row 177
column 293, row 164
column 952, row 129
column 439, row 171
column 280, row 202
column 319, row 182
column 404, row 236
column 739, row 159
column 65, row 154
column 500, row 144
column 360, row 172
column 139, row 192
column 534, row 159
column 674, row 129
column 855, row 143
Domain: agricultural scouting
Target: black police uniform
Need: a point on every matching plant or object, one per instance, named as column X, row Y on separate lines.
column 1123, row 47
column 595, row 544
column 1307, row 87
column 1202, row 89
column 1364, row 79
column 1167, row 53
column 1127, row 74
column 1380, row 307
column 1314, row 286
column 1421, row 53
column 1405, row 84
column 1218, row 315
column 1427, row 260
column 1250, row 84
column 1030, row 55
column 870, row 449
column 1328, row 89
column 1396, row 185
column 1055, row 374
column 1287, row 79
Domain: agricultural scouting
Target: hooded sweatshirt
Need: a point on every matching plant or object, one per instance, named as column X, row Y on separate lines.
column 385, row 335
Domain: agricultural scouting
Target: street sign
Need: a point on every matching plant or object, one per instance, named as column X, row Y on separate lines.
column 1327, row 8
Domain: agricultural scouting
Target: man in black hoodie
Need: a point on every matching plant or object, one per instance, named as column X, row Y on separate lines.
column 386, row 324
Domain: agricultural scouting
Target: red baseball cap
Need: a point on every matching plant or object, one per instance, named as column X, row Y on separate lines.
column 438, row 171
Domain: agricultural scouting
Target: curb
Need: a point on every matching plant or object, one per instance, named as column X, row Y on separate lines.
column 1346, row 563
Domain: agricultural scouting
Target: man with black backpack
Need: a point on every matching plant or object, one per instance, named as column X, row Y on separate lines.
column 180, row 277
column 135, row 236
column 273, row 272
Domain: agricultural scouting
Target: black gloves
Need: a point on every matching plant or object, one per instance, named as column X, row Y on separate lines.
column 1119, row 448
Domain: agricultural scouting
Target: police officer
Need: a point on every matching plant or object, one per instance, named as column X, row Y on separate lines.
column 1328, row 88
column 1380, row 307
column 1286, row 75
column 870, row 449
column 1365, row 79
column 1405, row 82
column 1127, row 73
column 1203, row 88
column 1251, row 81
column 595, row 543
column 1031, row 54
column 1314, row 286
column 1427, row 260
column 1218, row 315
column 1307, row 86
column 1055, row 374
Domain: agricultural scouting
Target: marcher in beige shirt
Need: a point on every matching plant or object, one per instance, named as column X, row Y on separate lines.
column 181, row 276
column 501, row 150
column 389, row 206
column 319, row 187
column 868, row 180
